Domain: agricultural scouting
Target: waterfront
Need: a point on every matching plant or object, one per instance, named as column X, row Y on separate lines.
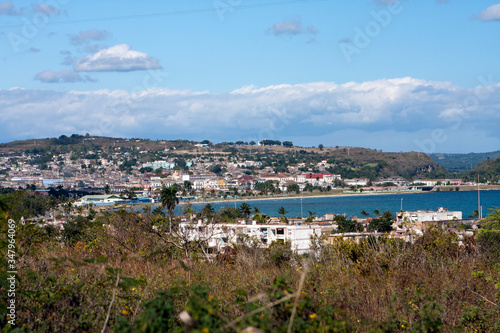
column 465, row 201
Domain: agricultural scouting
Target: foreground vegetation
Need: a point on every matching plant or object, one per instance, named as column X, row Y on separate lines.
column 128, row 272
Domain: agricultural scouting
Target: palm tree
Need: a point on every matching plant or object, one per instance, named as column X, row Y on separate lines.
column 311, row 217
column 376, row 212
column 158, row 211
column 256, row 210
column 188, row 187
column 261, row 218
column 208, row 211
column 282, row 211
column 245, row 210
column 169, row 199
column 364, row 213
column 107, row 189
column 387, row 215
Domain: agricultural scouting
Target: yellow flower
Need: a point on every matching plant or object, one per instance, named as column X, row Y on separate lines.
column 312, row 316
column 204, row 330
column 210, row 298
column 125, row 312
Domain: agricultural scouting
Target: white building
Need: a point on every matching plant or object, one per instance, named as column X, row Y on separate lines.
column 442, row 214
column 159, row 164
column 222, row 235
column 356, row 182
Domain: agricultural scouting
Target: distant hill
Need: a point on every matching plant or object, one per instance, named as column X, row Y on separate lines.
column 487, row 170
column 349, row 162
column 463, row 162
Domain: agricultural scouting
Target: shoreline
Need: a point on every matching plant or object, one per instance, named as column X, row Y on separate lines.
column 314, row 196
column 295, row 197
column 298, row 196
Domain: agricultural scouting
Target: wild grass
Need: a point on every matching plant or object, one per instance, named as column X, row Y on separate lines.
column 378, row 285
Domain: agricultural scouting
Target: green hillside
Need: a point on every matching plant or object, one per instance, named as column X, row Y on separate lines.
column 463, row 162
column 487, row 170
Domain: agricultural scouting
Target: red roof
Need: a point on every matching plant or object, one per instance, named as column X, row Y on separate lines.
column 314, row 176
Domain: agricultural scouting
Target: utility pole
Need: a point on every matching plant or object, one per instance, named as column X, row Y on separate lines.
column 479, row 212
column 301, row 215
column 401, row 204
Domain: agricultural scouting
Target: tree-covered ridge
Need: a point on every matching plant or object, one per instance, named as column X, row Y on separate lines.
column 463, row 162
column 488, row 170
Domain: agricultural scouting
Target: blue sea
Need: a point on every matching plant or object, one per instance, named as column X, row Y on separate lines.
column 465, row 201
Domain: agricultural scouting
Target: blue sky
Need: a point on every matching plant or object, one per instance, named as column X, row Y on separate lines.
column 385, row 74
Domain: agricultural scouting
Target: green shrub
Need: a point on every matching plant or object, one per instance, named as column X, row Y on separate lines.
column 488, row 242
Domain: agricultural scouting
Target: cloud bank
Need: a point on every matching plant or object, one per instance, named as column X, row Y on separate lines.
column 393, row 114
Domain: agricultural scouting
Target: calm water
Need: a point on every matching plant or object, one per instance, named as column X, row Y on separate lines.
column 465, row 201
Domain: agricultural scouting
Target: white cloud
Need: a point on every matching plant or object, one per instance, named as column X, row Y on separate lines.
column 291, row 27
column 407, row 108
column 491, row 13
column 84, row 37
column 57, row 77
column 116, row 58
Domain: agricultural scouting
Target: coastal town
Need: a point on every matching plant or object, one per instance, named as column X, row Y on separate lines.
column 104, row 179
column 134, row 173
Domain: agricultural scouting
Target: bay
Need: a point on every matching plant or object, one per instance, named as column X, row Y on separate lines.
column 465, row 201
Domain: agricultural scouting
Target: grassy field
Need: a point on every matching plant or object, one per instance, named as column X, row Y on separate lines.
column 118, row 275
